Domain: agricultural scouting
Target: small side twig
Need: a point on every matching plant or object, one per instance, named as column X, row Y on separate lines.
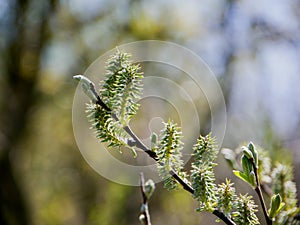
column 260, row 195
column 145, row 215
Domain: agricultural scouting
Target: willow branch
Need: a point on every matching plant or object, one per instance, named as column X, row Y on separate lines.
column 138, row 143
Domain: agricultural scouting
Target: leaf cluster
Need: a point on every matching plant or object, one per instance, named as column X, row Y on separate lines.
column 276, row 180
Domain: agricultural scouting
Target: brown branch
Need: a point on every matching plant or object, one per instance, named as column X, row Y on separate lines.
column 260, row 195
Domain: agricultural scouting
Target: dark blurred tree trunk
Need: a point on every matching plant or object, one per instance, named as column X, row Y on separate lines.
column 25, row 38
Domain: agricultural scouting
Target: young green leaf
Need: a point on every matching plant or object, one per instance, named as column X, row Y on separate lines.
column 252, row 180
column 247, row 153
column 248, row 174
column 241, row 175
column 276, row 206
column 247, row 165
column 251, row 147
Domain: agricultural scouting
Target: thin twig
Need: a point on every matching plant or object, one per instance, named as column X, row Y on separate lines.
column 153, row 155
column 223, row 217
column 185, row 185
column 137, row 142
column 260, row 195
column 145, row 210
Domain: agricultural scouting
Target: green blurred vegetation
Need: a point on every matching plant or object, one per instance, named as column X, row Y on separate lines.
column 43, row 43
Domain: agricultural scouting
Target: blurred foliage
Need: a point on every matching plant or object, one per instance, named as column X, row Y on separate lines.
column 44, row 179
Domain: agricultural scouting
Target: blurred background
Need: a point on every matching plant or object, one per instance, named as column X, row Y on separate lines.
column 252, row 47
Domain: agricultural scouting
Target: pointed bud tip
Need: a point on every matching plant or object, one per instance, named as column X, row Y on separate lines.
column 77, row 77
